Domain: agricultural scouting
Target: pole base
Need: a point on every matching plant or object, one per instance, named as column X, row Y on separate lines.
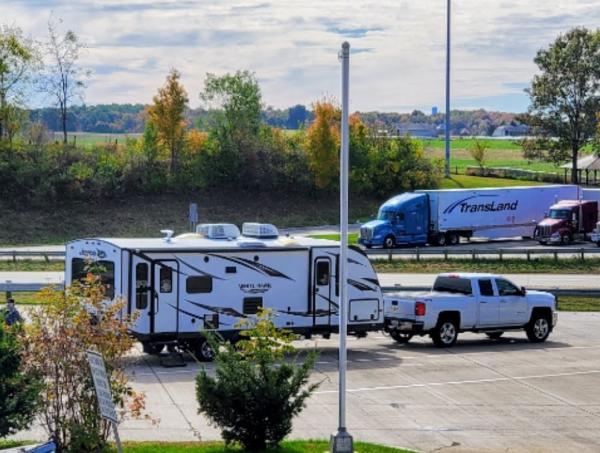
column 341, row 442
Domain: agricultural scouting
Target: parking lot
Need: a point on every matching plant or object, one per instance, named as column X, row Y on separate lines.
column 480, row 396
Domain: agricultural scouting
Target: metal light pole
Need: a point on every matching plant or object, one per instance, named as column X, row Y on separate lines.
column 341, row 441
column 447, row 168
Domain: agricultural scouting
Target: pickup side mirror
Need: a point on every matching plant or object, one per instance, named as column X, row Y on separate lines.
column 523, row 291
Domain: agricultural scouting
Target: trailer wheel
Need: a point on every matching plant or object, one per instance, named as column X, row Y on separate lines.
column 152, row 348
column 203, row 351
column 453, row 238
column 440, row 239
column 389, row 242
column 400, row 337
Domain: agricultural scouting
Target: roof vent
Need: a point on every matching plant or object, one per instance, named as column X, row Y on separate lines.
column 260, row 230
column 218, row 230
column 168, row 235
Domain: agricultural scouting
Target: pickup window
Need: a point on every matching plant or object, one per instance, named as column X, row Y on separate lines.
column 453, row 285
column 506, row 288
column 485, row 287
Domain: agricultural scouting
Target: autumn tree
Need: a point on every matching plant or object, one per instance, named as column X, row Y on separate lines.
column 478, row 151
column 167, row 115
column 565, row 96
column 323, row 144
column 18, row 57
column 64, row 79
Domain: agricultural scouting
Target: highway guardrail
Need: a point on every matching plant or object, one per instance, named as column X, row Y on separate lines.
column 418, row 253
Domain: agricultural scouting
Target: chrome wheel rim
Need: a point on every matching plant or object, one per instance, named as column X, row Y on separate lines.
column 540, row 328
column 447, row 332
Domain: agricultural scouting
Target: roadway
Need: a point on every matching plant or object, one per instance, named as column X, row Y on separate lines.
column 31, row 281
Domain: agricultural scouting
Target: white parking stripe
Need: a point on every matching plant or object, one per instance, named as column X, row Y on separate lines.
column 469, row 381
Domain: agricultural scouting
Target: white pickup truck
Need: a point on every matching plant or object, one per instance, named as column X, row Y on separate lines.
column 466, row 302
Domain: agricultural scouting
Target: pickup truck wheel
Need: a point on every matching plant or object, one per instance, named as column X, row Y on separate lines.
column 389, row 242
column 445, row 333
column 538, row 328
column 494, row 335
column 453, row 238
column 400, row 337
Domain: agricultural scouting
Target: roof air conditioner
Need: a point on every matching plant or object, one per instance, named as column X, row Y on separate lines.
column 218, row 230
column 260, row 230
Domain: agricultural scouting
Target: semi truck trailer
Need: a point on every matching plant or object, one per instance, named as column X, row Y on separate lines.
column 442, row 217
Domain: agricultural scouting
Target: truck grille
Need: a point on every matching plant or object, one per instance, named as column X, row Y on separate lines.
column 544, row 231
column 366, row 233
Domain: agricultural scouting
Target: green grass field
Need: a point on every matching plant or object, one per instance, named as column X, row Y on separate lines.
column 89, row 139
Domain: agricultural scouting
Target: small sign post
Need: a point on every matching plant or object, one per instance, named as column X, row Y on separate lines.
column 193, row 216
column 102, row 386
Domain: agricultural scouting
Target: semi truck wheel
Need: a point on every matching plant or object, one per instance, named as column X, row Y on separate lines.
column 440, row 239
column 389, row 242
column 453, row 238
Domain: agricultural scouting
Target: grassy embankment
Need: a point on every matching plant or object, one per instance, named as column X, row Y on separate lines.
column 291, row 446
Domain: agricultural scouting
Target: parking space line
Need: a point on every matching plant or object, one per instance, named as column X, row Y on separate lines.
column 462, row 382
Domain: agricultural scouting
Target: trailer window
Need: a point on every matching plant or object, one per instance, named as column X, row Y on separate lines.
column 105, row 269
column 453, row 285
column 166, row 279
column 485, row 288
column 142, row 286
column 198, row 284
column 322, row 273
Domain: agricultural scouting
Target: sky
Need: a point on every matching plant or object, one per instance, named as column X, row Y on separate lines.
column 398, row 47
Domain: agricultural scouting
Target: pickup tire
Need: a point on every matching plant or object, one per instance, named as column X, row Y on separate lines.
column 445, row 333
column 539, row 327
column 389, row 242
column 400, row 337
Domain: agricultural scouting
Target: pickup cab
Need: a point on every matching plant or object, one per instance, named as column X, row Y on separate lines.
column 469, row 302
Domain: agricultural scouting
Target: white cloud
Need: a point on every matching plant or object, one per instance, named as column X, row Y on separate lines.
column 292, row 46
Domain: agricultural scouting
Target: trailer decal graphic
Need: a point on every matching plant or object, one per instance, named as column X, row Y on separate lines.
column 328, row 300
column 481, row 207
column 360, row 286
column 206, row 274
column 185, row 312
column 254, row 288
column 258, row 267
column 227, row 311
column 350, row 260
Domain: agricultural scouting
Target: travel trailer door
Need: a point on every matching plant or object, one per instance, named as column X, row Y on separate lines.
column 166, row 292
column 323, row 290
column 141, row 294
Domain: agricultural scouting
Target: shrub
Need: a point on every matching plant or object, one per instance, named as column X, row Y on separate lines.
column 19, row 391
column 256, row 392
column 60, row 331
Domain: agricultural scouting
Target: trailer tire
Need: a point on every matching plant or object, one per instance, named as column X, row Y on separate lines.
column 539, row 327
column 203, row 351
column 452, row 238
column 152, row 348
column 389, row 242
column 445, row 333
column 400, row 337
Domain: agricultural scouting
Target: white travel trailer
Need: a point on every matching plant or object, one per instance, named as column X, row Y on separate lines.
column 212, row 279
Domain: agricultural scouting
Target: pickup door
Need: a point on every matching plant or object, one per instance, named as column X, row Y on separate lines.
column 513, row 303
column 489, row 303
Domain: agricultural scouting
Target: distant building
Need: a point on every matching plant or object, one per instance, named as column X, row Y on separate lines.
column 434, row 110
column 511, row 130
column 421, row 130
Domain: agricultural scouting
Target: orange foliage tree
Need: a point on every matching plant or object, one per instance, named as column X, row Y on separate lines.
column 323, row 144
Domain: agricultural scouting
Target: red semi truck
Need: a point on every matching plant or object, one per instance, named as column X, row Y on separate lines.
column 568, row 221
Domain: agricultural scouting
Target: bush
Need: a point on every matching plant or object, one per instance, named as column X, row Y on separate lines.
column 60, row 331
column 19, row 391
column 256, row 392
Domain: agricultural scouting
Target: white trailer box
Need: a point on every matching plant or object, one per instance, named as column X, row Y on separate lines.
column 494, row 212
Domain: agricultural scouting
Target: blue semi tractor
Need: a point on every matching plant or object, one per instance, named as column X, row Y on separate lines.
column 442, row 217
